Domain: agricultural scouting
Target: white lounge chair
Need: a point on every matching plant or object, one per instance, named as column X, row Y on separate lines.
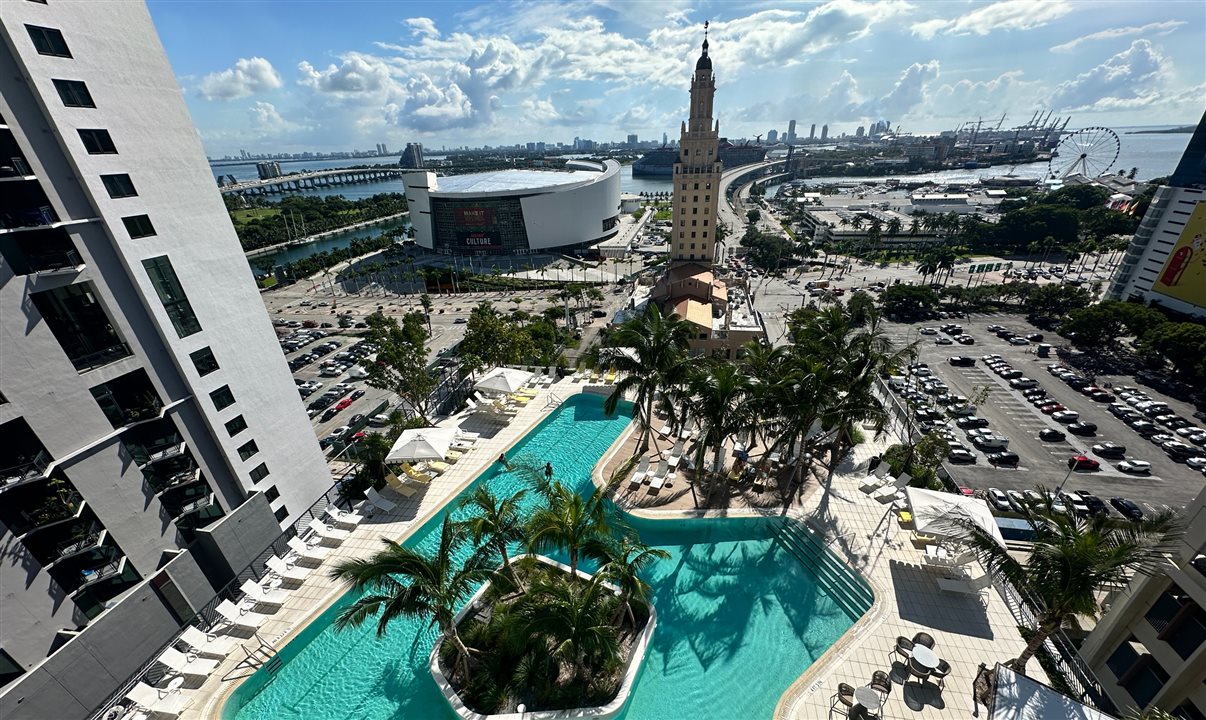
column 341, row 517
column 182, row 664
column 156, row 700
column 285, row 571
column 202, row 643
column 873, row 483
column 889, row 492
column 469, row 437
column 965, row 586
column 658, row 478
column 676, row 454
column 240, row 617
column 642, row 469
column 302, row 551
column 326, row 533
column 379, row 502
column 261, row 596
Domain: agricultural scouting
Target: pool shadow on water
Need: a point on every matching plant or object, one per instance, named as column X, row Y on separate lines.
column 919, row 600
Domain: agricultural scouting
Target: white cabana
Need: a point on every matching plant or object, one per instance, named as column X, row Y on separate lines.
column 1019, row 697
column 503, row 380
column 941, row 514
column 429, row 443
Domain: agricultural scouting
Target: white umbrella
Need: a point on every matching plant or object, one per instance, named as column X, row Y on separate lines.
column 942, row 514
column 430, row 443
column 503, row 380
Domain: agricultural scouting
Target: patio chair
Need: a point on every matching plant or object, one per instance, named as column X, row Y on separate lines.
column 240, row 618
column 379, row 502
column 341, row 517
column 285, row 571
column 845, row 696
column 917, row 671
column 302, row 551
column 904, row 648
column 881, row 683
column 202, row 643
column 326, row 533
column 924, row 638
column 261, row 596
column 939, row 673
column 182, row 664
column 156, row 700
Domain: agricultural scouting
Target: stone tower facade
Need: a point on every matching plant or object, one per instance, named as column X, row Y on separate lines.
column 697, row 173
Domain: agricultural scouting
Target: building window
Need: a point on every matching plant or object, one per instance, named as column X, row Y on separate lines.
column 703, row 336
column 48, row 41
column 248, row 450
column 204, row 361
column 1145, row 680
column 236, row 425
column 222, row 397
column 705, row 232
column 258, row 473
column 171, row 294
column 693, row 222
column 684, row 186
column 695, row 198
column 682, row 198
column 272, row 493
column 680, row 234
column 281, row 513
column 682, row 223
column 119, row 186
column 694, row 211
column 74, row 93
column 681, row 246
column 139, row 226
column 692, row 246
column 707, row 186
column 707, row 198
column 705, row 222
column 98, row 142
column 696, row 186
column 692, row 234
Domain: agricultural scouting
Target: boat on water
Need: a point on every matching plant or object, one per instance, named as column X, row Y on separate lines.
column 660, row 162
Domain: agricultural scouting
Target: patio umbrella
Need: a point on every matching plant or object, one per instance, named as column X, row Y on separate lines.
column 503, row 380
column 942, row 514
column 429, row 443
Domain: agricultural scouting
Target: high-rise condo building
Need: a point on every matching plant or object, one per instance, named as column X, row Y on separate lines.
column 812, row 132
column 151, row 428
column 412, row 156
column 791, row 131
column 824, row 132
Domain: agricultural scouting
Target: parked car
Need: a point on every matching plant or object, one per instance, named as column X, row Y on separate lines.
column 962, row 361
column 1094, row 503
column 1023, row 383
column 965, row 340
column 998, row 499
column 1109, row 449
column 1065, row 416
column 1050, row 435
column 329, row 414
column 1082, row 462
column 962, row 456
column 343, row 404
column 1126, row 508
column 1197, row 462
column 379, row 420
column 971, row 422
column 1017, row 500
column 1008, row 459
column 1178, row 450
column 1083, row 428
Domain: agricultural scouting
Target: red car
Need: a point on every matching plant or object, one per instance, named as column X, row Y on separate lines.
column 1048, row 409
column 343, row 404
column 1080, row 462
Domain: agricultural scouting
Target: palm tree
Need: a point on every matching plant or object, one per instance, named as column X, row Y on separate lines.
column 403, row 583
column 722, row 394
column 425, row 301
column 894, row 226
column 497, row 521
column 573, row 620
column 623, row 562
column 569, row 522
column 653, row 357
column 1072, row 559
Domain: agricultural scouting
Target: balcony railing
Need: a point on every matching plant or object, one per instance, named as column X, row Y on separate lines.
column 148, row 455
column 26, row 472
column 54, row 510
column 40, row 216
column 93, row 360
column 199, row 504
column 89, row 539
column 161, row 484
column 54, row 262
column 91, row 576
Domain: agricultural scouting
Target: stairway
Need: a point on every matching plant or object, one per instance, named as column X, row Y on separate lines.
column 839, row 581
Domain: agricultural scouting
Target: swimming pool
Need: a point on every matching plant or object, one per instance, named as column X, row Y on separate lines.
column 738, row 618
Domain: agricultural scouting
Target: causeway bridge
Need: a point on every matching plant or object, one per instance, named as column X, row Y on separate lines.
column 309, row 180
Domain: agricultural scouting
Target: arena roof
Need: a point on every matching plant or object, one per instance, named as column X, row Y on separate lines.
column 509, row 180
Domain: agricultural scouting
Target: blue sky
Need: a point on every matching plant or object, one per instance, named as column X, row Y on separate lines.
column 290, row 76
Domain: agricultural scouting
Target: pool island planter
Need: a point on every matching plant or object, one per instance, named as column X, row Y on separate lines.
column 603, row 712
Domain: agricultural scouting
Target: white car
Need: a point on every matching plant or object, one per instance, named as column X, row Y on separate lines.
column 999, row 500
column 1019, row 341
column 1138, row 467
column 1065, row 416
column 1189, row 431
column 1197, row 463
column 928, row 331
column 339, row 431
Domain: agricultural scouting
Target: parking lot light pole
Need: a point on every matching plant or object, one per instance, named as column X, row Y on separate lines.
column 1075, row 464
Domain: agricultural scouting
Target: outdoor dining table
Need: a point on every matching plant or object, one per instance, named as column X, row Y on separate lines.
column 867, row 697
column 925, row 657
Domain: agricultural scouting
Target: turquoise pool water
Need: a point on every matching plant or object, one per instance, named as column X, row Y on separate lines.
column 738, row 618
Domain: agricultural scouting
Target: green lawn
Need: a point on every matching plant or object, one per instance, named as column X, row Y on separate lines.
column 241, row 217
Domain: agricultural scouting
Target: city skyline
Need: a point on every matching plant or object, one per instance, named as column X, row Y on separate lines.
column 475, row 74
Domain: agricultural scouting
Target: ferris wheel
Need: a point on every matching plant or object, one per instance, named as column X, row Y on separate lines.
column 1090, row 152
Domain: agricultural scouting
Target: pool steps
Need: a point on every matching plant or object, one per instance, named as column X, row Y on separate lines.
column 839, row 581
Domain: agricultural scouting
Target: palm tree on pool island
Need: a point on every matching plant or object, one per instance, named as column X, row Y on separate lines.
column 1073, row 558
column 399, row 582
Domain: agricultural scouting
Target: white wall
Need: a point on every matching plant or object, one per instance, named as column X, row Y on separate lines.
column 570, row 217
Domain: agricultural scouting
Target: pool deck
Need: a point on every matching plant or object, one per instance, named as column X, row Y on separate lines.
column 967, row 630
column 319, row 591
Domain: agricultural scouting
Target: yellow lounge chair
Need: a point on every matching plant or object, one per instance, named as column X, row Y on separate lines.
column 521, row 399
column 453, row 456
column 920, row 541
column 611, row 376
column 436, row 466
column 414, row 474
column 528, row 392
column 398, row 486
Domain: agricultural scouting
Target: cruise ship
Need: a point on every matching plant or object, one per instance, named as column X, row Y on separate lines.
column 660, row 162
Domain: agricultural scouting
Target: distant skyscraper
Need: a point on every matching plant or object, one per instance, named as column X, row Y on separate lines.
column 772, row 136
column 812, row 132
column 412, row 156
column 791, row 131
column 384, row 149
column 665, row 139
column 860, row 131
column 632, row 140
column 824, row 132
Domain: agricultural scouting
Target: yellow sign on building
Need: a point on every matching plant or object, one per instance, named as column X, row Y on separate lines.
column 1184, row 274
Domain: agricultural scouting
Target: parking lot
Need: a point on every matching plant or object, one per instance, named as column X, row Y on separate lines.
column 1044, row 462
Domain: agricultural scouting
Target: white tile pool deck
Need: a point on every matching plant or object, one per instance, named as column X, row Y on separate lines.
column 907, row 598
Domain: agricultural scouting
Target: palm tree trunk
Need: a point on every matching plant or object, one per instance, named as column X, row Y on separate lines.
column 502, row 549
column 1044, row 630
column 462, row 650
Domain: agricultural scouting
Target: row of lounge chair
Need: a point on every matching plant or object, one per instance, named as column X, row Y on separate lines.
column 656, row 479
column 199, row 652
column 885, row 488
column 595, row 375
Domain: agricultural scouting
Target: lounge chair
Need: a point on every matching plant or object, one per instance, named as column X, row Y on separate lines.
column 611, row 376
column 182, row 664
column 341, row 517
column 964, row 586
column 302, row 551
column 415, row 474
column 904, row 517
column 469, row 437
column 379, row 502
column 676, row 454
column 156, row 700
column 920, row 541
column 325, row 533
column 659, row 475
column 453, row 455
column 642, row 469
column 873, row 483
column 261, row 596
column 240, row 617
column 202, row 643
column 285, row 571
column 398, row 486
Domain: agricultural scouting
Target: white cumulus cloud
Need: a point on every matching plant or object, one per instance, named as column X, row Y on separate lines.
column 1152, row 29
column 356, row 74
column 246, row 77
column 1003, row 15
column 1130, row 79
column 422, row 26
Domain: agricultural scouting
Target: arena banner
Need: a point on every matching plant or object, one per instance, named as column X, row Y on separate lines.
column 1184, row 274
column 478, row 240
column 474, row 217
